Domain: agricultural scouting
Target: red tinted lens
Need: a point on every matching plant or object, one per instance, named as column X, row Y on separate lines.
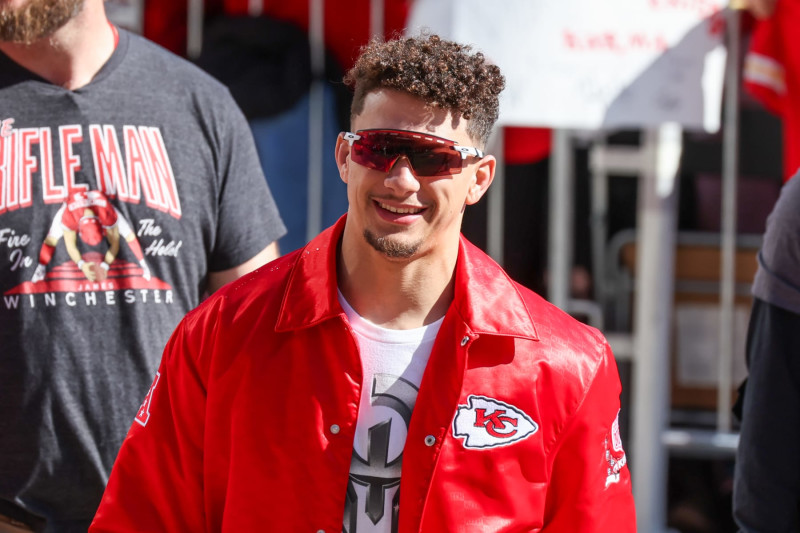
column 380, row 151
column 435, row 161
column 373, row 155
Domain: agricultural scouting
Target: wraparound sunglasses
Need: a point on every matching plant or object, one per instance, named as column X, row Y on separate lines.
column 428, row 155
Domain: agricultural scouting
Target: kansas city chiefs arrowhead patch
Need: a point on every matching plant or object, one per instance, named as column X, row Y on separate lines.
column 489, row 423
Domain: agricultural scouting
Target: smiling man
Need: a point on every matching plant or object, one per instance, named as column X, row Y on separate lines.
column 389, row 376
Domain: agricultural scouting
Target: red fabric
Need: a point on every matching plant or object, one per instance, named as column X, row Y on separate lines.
column 772, row 74
column 165, row 23
column 115, row 32
column 235, row 434
column 526, row 145
column 46, row 253
column 346, row 25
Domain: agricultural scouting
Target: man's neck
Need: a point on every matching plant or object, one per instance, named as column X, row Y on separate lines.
column 398, row 294
column 74, row 54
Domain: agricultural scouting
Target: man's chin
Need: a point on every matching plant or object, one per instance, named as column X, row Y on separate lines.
column 391, row 246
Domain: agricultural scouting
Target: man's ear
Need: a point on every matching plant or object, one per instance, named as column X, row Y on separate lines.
column 484, row 175
column 342, row 162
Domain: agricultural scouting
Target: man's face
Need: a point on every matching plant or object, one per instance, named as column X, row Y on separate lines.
column 400, row 214
column 27, row 21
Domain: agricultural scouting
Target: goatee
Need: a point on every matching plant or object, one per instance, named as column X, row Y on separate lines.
column 390, row 247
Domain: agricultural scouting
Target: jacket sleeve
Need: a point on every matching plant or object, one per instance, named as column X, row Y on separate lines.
column 156, row 482
column 590, row 486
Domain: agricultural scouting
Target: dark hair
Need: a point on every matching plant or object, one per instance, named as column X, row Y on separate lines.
column 442, row 73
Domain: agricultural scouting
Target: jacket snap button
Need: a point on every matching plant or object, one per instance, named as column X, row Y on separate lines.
column 430, row 440
column 464, row 341
column 320, row 531
column 334, row 429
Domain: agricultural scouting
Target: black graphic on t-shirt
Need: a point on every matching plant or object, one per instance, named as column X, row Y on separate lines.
column 375, row 479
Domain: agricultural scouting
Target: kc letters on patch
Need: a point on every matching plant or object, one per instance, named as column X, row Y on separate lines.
column 488, row 423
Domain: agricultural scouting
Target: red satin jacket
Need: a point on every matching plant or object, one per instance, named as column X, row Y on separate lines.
column 250, row 421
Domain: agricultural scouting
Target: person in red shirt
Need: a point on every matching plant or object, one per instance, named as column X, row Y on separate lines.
column 388, row 376
column 771, row 70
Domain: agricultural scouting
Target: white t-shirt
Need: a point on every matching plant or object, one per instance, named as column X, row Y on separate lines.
column 393, row 362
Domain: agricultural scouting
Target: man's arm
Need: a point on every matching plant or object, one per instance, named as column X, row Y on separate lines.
column 248, row 218
column 45, row 255
column 766, row 490
column 48, row 248
column 112, row 235
column 218, row 279
column 590, row 487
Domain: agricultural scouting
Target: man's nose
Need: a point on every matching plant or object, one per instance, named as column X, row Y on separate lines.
column 401, row 177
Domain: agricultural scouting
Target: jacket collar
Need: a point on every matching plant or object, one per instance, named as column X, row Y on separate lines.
column 485, row 297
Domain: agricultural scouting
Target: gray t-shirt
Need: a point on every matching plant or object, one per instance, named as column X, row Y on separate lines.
column 777, row 280
column 151, row 165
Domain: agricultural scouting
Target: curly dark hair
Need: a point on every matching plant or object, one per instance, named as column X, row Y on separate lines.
column 442, row 73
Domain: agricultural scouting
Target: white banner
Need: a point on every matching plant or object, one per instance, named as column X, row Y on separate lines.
column 586, row 64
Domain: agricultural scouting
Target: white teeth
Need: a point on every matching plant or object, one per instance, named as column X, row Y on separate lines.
column 401, row 210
